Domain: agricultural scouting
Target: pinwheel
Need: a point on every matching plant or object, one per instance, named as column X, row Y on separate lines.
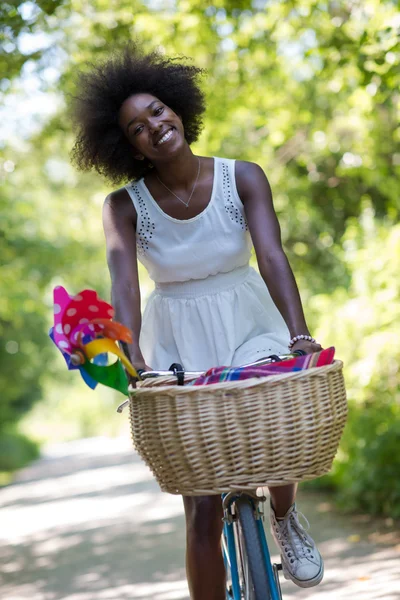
column 85, row 334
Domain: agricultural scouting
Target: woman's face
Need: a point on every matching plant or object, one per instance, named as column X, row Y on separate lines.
column 153, row 129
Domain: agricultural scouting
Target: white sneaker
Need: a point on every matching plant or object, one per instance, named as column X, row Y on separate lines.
column 301, row 561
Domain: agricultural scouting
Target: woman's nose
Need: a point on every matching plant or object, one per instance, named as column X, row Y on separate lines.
column 154, row 125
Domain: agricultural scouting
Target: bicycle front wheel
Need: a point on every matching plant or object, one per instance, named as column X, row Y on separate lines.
column 253, row 548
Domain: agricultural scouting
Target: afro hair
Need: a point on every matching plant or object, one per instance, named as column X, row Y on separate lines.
column 100, row 142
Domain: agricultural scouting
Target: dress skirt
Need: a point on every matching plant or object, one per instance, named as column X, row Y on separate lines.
column 226, row 319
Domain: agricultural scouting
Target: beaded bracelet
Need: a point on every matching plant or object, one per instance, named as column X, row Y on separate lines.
column 300, row 337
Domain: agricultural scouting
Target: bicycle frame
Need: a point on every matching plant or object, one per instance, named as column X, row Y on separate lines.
column 229, row 545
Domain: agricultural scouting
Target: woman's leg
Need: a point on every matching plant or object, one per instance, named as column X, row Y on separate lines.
column 282, row 498
column 204, row 562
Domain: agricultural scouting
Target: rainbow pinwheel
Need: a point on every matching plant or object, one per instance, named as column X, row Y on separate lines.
column 85, row 334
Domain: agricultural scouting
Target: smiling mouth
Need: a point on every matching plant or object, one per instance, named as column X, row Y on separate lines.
column 165, row 137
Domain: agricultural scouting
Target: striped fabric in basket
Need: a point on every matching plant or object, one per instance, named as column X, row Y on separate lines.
column 299, row 363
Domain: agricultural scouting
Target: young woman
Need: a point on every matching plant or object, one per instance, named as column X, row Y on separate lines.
column 191, row 220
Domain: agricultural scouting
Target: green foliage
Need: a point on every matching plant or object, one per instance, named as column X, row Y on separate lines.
column 19, row 19
column 40, row 247
column 308, row 90
column 364, row 325
column 366, row 475
column 16, row 450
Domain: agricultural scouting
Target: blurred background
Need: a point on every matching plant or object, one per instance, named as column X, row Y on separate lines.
column 308, row 90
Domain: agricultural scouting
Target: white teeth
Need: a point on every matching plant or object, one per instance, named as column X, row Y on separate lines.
column 165, row 137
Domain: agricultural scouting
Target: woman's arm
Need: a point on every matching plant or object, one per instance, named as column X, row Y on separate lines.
column 119, row 223
column 255, row 193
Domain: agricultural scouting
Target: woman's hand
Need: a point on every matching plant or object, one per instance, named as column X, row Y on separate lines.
column 139, row 365
column 142, row 366
column 308, row 347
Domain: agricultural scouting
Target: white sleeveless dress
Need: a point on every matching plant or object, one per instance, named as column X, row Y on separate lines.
column 209, row 307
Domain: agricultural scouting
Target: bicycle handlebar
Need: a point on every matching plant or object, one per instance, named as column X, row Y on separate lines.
column 194, row 374
column 262, row 361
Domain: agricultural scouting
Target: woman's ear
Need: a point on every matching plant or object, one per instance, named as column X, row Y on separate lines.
column 141, row 157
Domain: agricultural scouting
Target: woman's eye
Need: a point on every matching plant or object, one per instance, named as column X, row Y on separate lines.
column 160, row 109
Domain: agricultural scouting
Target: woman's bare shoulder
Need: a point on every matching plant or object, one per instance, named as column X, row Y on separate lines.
column 120, row 204
column 248, row 175
column 245, row 170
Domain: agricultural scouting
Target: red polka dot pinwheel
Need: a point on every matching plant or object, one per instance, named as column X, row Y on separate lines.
column 85, row 334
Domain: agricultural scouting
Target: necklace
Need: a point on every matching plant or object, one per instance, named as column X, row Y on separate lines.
column 190, row 197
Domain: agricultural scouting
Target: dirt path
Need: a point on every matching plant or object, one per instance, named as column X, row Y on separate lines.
column 87, row 522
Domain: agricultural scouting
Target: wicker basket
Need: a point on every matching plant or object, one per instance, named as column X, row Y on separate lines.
column 201, row 440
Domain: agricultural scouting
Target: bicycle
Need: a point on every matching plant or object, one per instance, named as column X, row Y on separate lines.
column 250, row 573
